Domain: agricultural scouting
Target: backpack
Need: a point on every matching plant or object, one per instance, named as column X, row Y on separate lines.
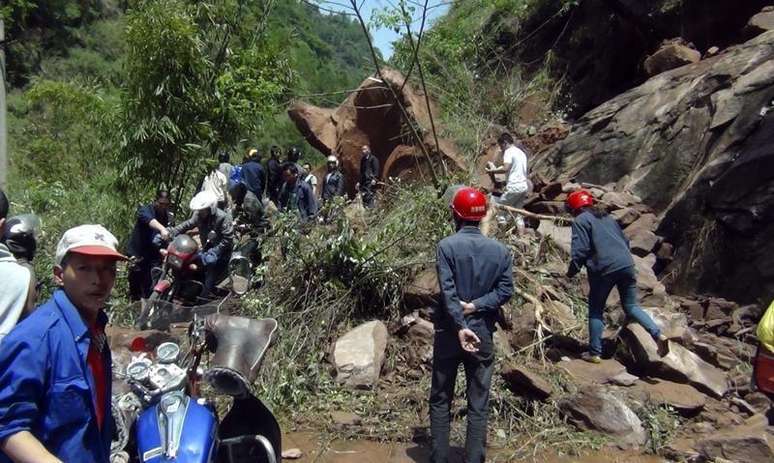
column 235, row 177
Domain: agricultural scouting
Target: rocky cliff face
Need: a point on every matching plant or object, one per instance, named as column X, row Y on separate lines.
column 697, row 144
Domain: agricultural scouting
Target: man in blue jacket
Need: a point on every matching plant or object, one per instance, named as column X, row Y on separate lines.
column 474, row 273
column 55, row 366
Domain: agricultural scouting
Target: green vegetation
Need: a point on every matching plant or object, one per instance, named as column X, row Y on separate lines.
column 111, row 100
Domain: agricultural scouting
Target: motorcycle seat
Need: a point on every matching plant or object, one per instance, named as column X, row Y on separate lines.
column 238, row 345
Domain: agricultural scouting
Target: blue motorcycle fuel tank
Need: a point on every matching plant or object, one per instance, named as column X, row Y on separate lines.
column 176, row 429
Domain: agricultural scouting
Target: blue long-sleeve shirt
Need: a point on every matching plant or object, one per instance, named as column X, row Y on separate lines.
column 46, row 385
column 254, row 177
column 476, row 269
column 599, row 244
column 298, row 197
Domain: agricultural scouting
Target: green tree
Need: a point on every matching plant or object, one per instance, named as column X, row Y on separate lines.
column 187, row 92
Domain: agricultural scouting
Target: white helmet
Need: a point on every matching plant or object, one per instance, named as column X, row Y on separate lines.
column 204, row 200
column 333, row 159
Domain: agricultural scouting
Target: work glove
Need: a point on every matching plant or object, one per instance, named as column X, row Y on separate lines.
column 208, row 257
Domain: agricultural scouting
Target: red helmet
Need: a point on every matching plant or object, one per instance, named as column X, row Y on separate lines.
column 579, row 199
column 469, row 204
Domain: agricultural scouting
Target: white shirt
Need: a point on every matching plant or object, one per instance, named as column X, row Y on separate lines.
column 312, row 181
column 517, row 176
column 217, row 183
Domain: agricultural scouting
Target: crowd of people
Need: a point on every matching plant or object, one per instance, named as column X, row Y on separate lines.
column 55, row 364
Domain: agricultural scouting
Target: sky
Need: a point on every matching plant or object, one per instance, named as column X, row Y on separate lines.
column 384, row 37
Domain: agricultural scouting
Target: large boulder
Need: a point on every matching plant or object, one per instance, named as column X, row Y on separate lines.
column 371, row 116
column 359, row 354
column 697, row 145
column 683, row 398
column 587, row 373
column 679, row 365
column 598, row 410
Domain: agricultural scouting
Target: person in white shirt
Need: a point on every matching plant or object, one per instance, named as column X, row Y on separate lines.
column 311, row 179
column 517, row 186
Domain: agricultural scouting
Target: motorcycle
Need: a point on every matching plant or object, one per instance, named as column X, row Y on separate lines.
column 173, row 424
column 179, row 279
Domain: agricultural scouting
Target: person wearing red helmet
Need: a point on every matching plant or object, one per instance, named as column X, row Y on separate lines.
column 474, row 273
column 599, row 243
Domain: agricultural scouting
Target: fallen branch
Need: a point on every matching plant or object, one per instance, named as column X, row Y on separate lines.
column 527, row 213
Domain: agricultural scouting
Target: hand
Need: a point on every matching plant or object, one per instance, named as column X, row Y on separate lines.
column 468, row 340
column 164, row 234
column 468, row 308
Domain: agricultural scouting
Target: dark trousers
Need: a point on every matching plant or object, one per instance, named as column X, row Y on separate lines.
column 447, row 356
column 369, row 194
column 140, row 280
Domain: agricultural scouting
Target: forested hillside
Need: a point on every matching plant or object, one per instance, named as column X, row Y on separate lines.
column 110, row 100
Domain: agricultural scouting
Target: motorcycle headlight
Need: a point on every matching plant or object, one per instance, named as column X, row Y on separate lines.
column 175, row 262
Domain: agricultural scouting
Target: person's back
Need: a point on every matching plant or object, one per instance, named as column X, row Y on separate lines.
column 479, row 264
column 13, row 292
column 600, row 240
column 254, row 177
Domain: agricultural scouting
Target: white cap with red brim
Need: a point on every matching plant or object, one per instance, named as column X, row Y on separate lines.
column 92, row 240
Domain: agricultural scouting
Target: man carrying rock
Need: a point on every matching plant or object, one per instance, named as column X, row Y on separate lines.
column 475, row 277
column 517, row 186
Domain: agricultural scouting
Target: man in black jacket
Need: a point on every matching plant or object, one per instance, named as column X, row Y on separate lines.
column 274, row 174
column 333, row 182
column 297, row 195
column 369, row 175
column 474, row 274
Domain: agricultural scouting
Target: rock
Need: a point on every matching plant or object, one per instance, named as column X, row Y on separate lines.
column 292, row 454
column 342, row 420
column 759, row 401
column 562, row 236
column 370, row 116
column 665, row 252
column 624, row 379
column 570, row 187
column 669, row 57
column 643, row 243
column 620, row 199
column 551, row 190
column 601, row 411
column 679, row 365
column 625, row 216
column 358, row 355
column 524, row 323
column 673, row 325
column 712, row 51
column 708, row 179
column 423, row 291
column 760, row 23
column 525, row 383
column 590, row 373
column 547, row 207
column 646, row 222
column 682, row 397
column 747, row 443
